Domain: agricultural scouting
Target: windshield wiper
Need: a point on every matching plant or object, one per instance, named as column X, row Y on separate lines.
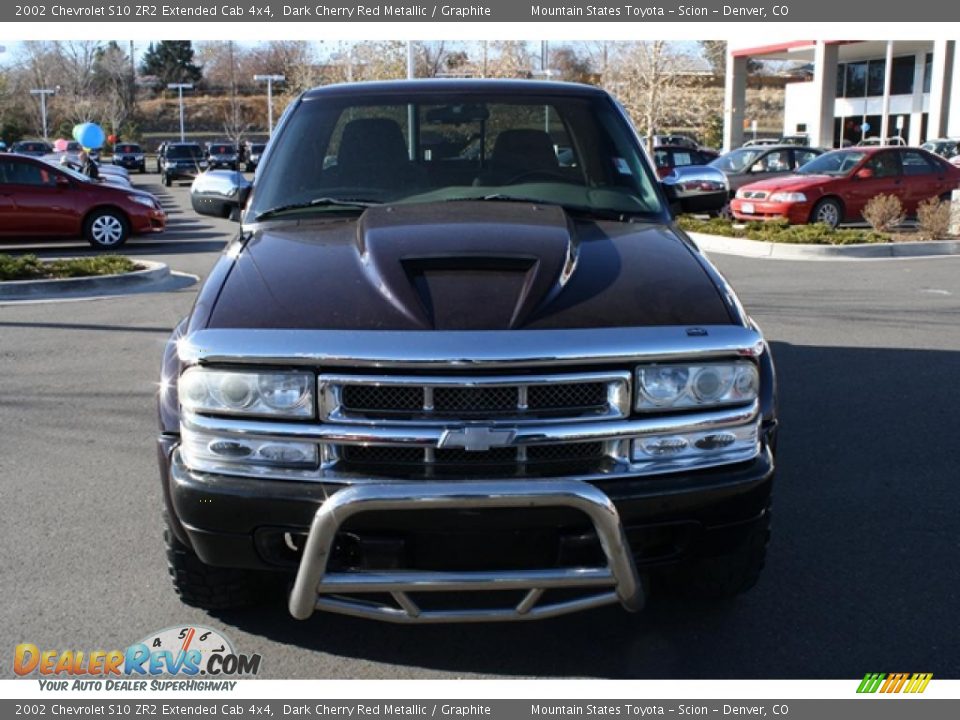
column 318, row 202
column 578, row 210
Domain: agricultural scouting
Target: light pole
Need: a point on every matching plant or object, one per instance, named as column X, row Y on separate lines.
column 43, row 92
column 180, row 87
column 270, row 80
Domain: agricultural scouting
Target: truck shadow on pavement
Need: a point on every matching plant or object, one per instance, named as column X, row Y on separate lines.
column 861, row 572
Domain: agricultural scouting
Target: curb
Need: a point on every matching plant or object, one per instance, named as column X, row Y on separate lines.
column 16, row 289
column 789, row 251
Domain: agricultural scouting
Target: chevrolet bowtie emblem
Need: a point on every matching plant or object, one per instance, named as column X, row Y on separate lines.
column 476, row 439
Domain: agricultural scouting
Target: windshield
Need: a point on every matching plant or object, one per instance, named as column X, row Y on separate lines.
column 838, row 162
column 184, row 152
column 128, row 148
column 222, row 150
column 738, row 160
column 575, row 152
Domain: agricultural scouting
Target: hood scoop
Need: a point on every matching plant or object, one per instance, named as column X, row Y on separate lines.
column 473, row 266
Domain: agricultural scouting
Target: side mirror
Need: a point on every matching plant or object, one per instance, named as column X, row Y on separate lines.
column 864, row 174
column 220, row 193
column 696, row 189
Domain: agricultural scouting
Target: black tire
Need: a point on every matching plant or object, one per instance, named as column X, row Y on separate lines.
column 167, row 181
column 106, row 229
column 725, row 576
column 212, row 588
column 828, row 211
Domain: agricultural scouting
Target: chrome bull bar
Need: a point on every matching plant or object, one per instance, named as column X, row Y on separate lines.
column 316, row 589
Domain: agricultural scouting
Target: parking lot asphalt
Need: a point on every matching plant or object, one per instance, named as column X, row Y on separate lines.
column 861, row 577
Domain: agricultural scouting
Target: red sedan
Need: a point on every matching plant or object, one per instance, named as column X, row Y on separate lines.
column 837, row 186
column 38, row 199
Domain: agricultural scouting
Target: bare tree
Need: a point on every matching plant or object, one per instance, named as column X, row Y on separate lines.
column 509, row 59
column 650, row 79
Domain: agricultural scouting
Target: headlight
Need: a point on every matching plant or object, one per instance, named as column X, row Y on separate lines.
column 203, row 163
column 280, row 394
column 168, row 164
column 142, row 200
column 788, row 197
column 667, row 387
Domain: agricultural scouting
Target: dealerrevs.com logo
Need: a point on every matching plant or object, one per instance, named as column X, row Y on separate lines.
column 188, row 652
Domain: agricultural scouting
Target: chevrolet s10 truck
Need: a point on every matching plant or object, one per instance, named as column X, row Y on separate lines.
column 460, row 364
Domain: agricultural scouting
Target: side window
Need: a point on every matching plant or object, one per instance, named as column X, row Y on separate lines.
column 29, row 174
column 802, row 157
column 7, row 172
column 661, row 158
column 916, row 164
column 883, row 165
column 776, row 161
column 682, row 158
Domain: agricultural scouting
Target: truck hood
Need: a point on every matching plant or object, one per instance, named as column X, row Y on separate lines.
column 465, row 266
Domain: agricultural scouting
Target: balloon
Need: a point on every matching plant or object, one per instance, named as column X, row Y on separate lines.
column 89, row 135
column 111, row 139
column 60, row 145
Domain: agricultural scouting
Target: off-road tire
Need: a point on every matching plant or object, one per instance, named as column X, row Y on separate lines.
column 214, row 588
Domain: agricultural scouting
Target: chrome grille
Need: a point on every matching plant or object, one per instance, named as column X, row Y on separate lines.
column 441, row 400
column 753, row 194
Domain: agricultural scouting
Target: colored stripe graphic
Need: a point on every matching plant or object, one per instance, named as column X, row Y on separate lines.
column 870, row 683
column 894, row 683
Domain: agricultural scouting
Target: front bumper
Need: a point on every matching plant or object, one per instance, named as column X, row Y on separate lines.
column 762, row 210
column 599, row 536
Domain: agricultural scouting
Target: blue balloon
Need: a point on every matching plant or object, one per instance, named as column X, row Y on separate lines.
column 89, row 135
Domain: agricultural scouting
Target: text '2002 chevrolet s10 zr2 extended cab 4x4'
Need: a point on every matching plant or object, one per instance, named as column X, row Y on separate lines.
column 461, row 364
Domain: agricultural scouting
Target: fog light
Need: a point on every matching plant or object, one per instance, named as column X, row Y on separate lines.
column 663, row 445
column 230, row 449
column 717, row 441
column 284, row 454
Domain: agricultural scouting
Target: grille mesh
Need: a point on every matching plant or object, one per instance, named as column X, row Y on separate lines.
column 462, row 401
column 391, row 398
column 391, row 455
column 558, row 397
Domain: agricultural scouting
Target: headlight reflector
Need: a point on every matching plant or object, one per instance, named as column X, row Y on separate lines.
column 691, row 386
column 230, row 392
column 233, row 455
column 665, row 453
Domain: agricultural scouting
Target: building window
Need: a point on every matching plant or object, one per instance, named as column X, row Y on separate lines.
column 841, row 75
column 927, row 72
column 856, row 80
column 875, row 77
column 903, row 69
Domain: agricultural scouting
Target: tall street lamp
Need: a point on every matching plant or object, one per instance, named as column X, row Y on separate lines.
column 270, row 80
column 180, row 87
column 43, row 92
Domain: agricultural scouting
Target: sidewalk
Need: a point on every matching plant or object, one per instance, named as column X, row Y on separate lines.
column 789, row 251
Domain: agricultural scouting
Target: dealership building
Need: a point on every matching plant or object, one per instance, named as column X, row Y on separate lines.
column 908, row 89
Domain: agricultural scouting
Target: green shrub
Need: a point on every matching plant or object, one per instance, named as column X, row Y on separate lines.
column 780, row 231
column 29, row 267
